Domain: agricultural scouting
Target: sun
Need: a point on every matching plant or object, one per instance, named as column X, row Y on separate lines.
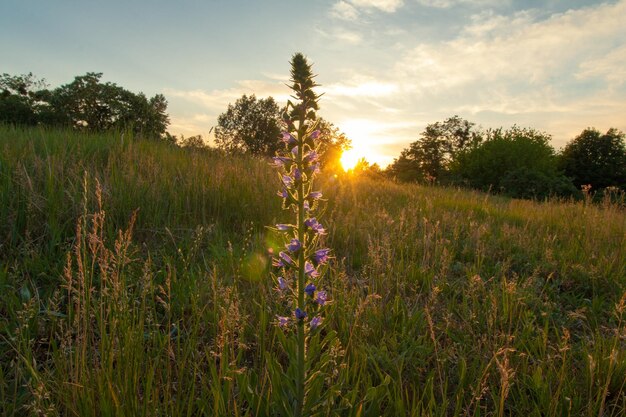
column 349, row 159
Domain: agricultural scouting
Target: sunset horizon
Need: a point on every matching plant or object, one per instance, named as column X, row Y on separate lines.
column 388, row 68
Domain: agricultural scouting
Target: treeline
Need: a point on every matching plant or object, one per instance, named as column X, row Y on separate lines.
column 86, row 104
column 519, row 162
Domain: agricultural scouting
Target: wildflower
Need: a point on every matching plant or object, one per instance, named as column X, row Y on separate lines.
column 282, row 283
column 321, row 256
column 311, row 156
column 297, row 174
column 288, row 181
column 283, row 321
column 294, row 245
column 284, row 260
column 283, row 227
column 314, row 169
column 279, row 161
column 315, row 322
column 288, row 138
column 284, row 193
column 315, row 195
column 294, row 151
column 310, row 290
column 300, row 314
column 315, row 226
column 321, row 298
column 315, row 134
column 310, row 270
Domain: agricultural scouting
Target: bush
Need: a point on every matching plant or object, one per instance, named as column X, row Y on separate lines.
column 518, row 162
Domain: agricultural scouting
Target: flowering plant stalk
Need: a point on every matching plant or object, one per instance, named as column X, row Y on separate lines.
column 299, row 264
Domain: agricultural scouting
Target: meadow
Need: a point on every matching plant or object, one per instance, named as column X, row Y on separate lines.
column 134, row 282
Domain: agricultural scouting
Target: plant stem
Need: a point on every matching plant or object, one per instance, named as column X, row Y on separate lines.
column 301, row 260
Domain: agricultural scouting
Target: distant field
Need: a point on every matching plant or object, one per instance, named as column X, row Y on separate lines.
column 446, row 302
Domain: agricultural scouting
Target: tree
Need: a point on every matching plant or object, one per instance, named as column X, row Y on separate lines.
column 251, row 126
column 87, row 103
column 332, row 143
column 21, row 98
column 518, row 162
column 429, row 157
column 596, row 159
column 405, row 168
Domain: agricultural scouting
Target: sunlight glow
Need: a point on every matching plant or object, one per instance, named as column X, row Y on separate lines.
column 349, row 159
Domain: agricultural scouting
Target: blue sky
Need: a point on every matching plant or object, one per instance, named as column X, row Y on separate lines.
column 387, row 67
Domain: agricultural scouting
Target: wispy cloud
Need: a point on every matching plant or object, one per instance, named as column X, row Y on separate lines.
column 351, row 9
column 367, row 88
column 344, row 10
column 388, row 6
column 523, row 49
column 444, row 4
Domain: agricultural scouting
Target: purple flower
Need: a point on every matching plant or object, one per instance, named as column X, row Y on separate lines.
column 294, row 245
column 279, row 161
column 310, row 270
column 315, row 322
column 311, row 156
column 283, row 193
column 287, row 180
column 307, row 206
column 294, row 151
column 300, row 314
column 321, row 298
column 314, row 169
column 283, row 321
column 288, row 138
column 315, row 195
column 283, row 227
column 314, row 225
column 283, row 261
column 315, row 134
column 297, row 174
column 282, row 283
column 310, row 290
column 321, row 256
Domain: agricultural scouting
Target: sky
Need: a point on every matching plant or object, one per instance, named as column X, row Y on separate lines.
column 387, row 68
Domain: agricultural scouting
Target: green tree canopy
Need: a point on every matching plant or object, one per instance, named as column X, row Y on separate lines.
column 90, row 104
column 429, row 157
column 85, row 103
column 519, row 162
column 251, row 126
column 21, row 98
column 596, row 159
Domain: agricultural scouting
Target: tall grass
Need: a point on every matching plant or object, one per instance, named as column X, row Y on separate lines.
column 447, row 302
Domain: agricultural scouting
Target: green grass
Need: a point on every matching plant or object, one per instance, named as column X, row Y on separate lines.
column 446, row 302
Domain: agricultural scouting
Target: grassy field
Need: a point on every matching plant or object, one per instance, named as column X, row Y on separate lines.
column 134, row 282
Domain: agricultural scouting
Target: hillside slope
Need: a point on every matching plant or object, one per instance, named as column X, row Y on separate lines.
column 445, row 301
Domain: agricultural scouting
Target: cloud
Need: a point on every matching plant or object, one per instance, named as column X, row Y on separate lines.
column 520, row 48
column 350, row 9
column 445, row 4
column 218, row 100
column 341, row 37
column 388, row 6
column 344, row 10
column 367, row 88
column 611, row 67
